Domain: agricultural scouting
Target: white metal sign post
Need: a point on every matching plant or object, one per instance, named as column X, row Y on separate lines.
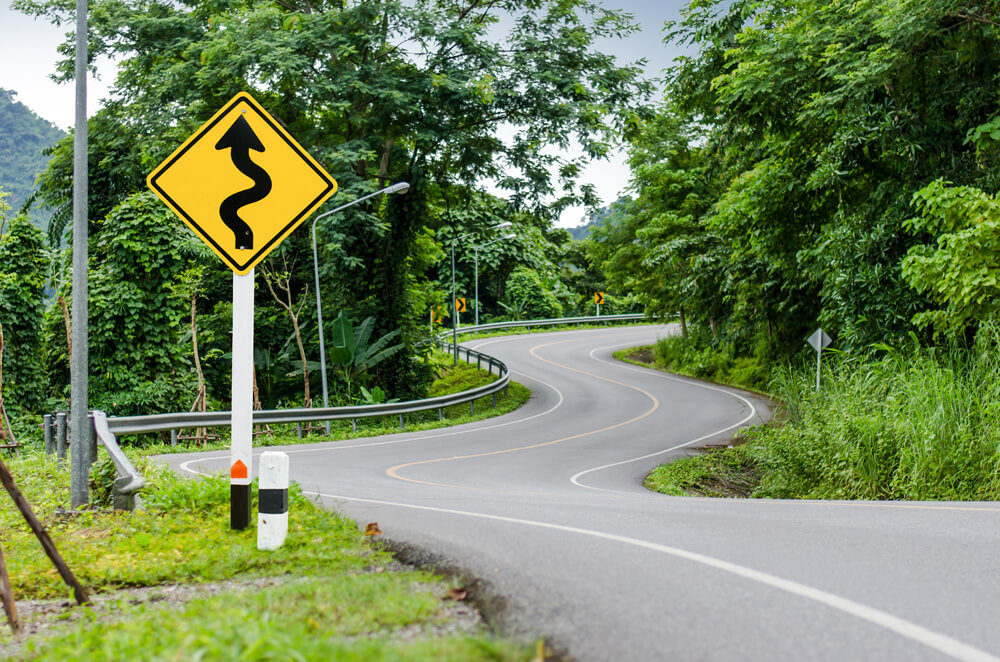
column 819, row 341
column 240, row 461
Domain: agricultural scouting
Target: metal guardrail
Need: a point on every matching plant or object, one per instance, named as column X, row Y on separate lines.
column 165, row 422
column 129, row 481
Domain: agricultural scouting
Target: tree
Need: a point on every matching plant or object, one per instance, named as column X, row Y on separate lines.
column 527, row 296
column 378, row 91
column 775, row 189
column 960, row 273
column 135, row 319
column 282, row 280
column 24, row 265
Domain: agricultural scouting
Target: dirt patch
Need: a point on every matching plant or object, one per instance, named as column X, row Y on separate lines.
column 728, row 479
column 642, row 355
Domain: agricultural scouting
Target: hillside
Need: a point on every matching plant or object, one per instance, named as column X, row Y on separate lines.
column 597, row 218
column 23, row 137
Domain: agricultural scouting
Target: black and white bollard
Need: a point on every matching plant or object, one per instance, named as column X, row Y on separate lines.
column 272, row 512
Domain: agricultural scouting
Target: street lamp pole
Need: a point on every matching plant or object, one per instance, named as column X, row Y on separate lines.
column 454, row 321
column 399, row 187
column 508, row 236
column 454, row 301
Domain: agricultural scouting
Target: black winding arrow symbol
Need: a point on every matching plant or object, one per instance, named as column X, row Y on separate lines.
column 241, row 139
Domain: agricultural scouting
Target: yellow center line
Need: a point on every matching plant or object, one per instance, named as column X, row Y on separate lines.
column 393, row 472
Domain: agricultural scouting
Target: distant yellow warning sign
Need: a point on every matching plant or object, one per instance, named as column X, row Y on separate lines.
column 242, row 183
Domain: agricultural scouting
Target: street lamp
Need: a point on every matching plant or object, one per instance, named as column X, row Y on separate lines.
column 399, row 187
column 507, row 236
column 454, row 321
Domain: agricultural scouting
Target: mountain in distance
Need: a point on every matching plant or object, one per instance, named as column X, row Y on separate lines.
column 599, row 217
column 23, row 137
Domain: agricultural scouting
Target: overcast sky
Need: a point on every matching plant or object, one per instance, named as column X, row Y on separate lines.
column 28, row 55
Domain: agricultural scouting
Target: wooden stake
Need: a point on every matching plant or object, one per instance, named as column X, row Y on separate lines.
column 7, row 597
column 7, row 479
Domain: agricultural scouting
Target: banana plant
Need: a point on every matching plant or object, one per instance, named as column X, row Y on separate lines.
column 352, row 352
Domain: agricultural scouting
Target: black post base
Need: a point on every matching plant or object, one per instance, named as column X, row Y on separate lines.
column 240, row 497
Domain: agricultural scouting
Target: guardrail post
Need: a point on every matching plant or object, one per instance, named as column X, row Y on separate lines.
column 50, row 446
column 505, row 390
column 440, row 413
column 298, row 430
column 402, row 425
column 61, row 436
column 272, row 500
column 494, row 396
column 472, row 407
column 173, row 437
column 479, row 361
column 354, row 425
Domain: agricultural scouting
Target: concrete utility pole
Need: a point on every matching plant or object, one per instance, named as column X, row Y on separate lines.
column 79, row 421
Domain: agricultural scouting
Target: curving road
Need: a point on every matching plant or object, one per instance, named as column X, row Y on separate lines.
column 545, row 507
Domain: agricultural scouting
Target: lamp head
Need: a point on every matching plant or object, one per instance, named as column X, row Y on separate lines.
column 398, row 187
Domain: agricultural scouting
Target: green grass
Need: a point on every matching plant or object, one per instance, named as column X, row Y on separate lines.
column 728, row 472
column 333, row 600
column 687, row 356
column 352, row 617
column 910, row 424
column 450, row 379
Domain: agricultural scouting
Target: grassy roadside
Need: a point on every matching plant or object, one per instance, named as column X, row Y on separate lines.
column 329, row 593
column 174, row 582
column 897, row 424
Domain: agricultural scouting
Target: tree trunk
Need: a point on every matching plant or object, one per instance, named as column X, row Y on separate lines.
column 302, row 356
column 197, row 357
column 715, row 331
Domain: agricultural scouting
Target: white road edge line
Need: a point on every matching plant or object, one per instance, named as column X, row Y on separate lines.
column 575, row 478
column 939, row 642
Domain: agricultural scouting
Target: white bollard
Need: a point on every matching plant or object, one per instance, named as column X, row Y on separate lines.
column 272, row 511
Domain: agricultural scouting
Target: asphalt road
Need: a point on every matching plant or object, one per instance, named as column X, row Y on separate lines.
column 545, row 507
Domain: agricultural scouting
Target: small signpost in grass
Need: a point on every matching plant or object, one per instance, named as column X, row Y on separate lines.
column 819, row 341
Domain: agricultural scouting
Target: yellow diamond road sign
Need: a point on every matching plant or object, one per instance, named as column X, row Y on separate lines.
column 242, row 183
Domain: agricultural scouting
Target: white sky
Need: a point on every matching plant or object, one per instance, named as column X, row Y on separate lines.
column 28, row 55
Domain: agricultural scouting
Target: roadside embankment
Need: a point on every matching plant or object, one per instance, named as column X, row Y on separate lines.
column 913, row 424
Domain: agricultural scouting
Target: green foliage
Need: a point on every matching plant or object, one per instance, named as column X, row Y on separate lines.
column 529, row 298
column 960, row 273
column 696, row 356
column 775, row 187
column 24, row 265
column 908, row 423
column 135, row 321
column 397, row 91
column 353, row 351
